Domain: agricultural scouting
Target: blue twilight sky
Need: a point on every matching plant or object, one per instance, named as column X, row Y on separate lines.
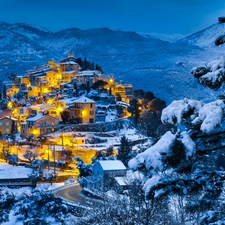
column 163, row 16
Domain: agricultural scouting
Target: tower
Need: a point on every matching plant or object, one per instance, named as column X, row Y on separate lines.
column 70, row 54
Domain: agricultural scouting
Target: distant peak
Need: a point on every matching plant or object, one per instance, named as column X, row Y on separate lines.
column 2, row 22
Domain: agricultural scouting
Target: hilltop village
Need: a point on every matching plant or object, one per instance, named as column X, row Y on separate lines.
column 58, row 107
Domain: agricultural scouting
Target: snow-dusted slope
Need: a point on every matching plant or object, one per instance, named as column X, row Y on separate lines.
column 164, row 37
column 31, row 31
column 205, row 38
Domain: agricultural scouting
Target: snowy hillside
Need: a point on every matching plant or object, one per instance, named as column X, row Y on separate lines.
column 164, row 37
column 205, row 38
column 147, row 63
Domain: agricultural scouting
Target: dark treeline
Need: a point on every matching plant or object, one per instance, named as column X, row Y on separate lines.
column 87, row 65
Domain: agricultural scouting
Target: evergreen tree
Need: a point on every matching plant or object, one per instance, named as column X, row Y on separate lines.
column 93, row 66
column 135, row 110
column 109, row 151
column 4, row 91
column 176, row 156
column 85, row 64
column 124, row 151
column 79, row 61
column 88, row 86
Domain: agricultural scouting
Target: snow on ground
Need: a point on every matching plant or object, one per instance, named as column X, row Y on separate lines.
column 111, row 116
column 10, row 171
column 209, row 115
column 130, row 133
column 48, row 186
column 54, row 186
column 19, row 191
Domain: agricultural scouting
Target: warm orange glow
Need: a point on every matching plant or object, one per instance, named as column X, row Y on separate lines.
column 111, row 80
column 10, row 105
column 45, row 90
column 35, row 132
column 140, row 108
column 60, row 109
column 83, row 113
column 50, row 101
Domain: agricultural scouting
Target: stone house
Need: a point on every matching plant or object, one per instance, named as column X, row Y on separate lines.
column 38, row 125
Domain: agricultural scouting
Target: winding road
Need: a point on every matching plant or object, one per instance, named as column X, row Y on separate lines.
column 71, row 194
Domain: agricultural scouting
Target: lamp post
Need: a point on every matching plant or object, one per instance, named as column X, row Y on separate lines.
column 48, row 157
column 54, row 159
column 17, row 155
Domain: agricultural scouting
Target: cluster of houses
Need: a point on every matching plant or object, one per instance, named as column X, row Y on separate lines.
column 37, row 119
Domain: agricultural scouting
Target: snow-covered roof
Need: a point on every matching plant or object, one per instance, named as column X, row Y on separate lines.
column 121, row 181
column 7, row 117
column 67, row 100
column 37, row 117
column 81, row 75
column 70, row 62
column 112, row 165
column 41, row 106
column 70, row 71
column 84, row 99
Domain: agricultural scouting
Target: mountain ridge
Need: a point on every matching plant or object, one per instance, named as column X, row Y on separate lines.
column 147, row 63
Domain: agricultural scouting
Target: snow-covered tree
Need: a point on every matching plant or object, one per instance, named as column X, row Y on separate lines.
column 182, row 166
column 30, row 156
column 41, row 204
column 212, row 75
column 85, row 170
column 7, row 201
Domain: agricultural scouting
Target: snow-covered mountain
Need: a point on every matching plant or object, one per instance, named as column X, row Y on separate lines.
column 164, row 37
column 148, row 63
column 205, row 38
